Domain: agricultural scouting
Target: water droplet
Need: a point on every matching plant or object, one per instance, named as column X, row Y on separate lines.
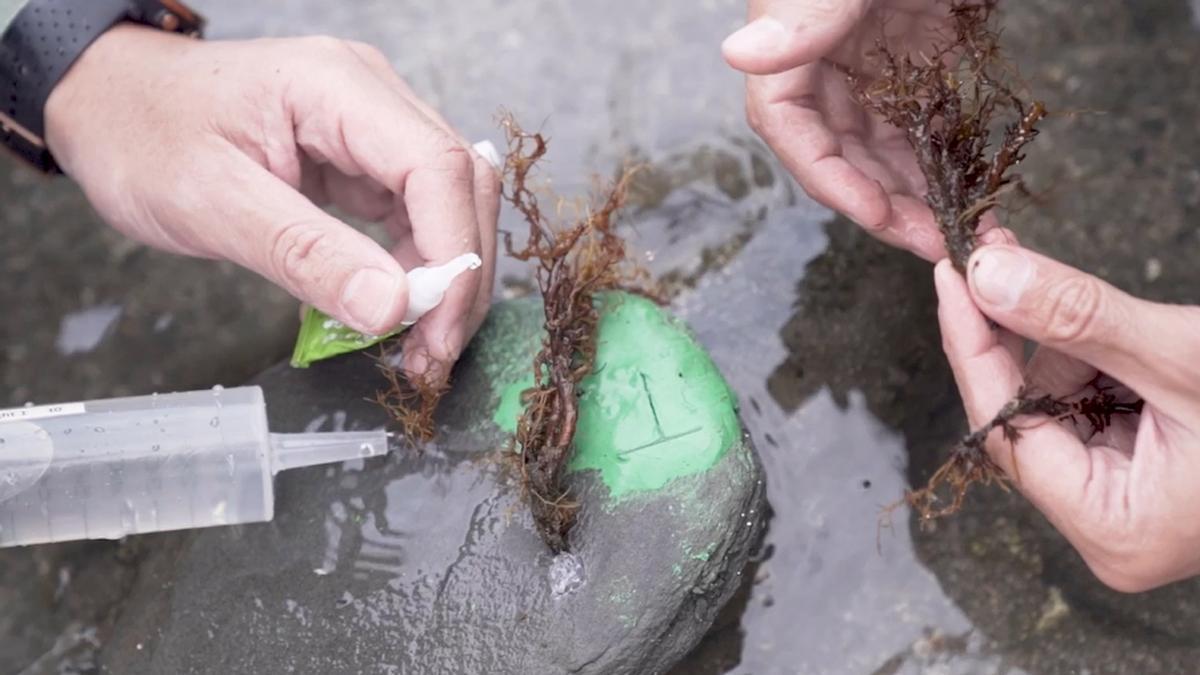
column 128, row 518
column 218, row 513
column 214, row 422
column 155, row 448
column 366, row 450
column 98, row 430
column 67, row 431
column 217, row 389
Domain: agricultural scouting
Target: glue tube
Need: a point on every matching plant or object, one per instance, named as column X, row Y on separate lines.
column 428, row 285
column 323, row 337
column 109, row 468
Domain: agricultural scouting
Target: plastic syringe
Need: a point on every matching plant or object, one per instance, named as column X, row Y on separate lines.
column 109, row 468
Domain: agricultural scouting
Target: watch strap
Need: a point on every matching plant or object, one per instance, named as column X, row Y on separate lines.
column 40, row 46
column 37, row 49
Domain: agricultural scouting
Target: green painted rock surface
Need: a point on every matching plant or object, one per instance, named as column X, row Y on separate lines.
column 429, row 563
column 655, row 408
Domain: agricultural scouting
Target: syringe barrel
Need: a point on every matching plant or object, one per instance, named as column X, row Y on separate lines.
column 110, row 468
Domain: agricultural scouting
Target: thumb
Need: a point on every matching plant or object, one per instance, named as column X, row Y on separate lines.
column 1081, row 316
column 786, row 34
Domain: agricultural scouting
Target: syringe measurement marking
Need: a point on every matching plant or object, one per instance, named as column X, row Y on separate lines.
column 41, row 411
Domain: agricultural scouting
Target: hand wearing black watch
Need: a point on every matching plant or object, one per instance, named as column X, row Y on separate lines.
column 45, row 39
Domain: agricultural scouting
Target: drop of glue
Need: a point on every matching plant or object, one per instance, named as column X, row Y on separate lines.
column 427, row 285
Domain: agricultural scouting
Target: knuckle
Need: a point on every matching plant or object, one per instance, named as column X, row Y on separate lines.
column 1075, row 308
column 829, row 10
column 295, row 250
column 454, row 159
column 324, row 46
column 754, row 116
column 370, row 53
column 948, row 345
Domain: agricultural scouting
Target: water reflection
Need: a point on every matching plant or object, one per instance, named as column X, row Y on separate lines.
column 833, row 597
column 82, row 331
column 850, row 401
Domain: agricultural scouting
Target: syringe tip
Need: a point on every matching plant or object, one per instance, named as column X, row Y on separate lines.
column 324, row 447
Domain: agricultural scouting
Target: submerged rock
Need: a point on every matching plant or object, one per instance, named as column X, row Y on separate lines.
column 428, row 562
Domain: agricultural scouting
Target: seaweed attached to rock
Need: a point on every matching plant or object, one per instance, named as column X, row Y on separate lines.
column 969, row 123
column 411, row 401
column 574, row 261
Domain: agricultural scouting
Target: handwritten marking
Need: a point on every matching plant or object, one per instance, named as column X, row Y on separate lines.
column 660, row 441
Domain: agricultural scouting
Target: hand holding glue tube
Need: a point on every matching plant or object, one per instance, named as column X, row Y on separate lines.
column 230, row 149
column 322, row 337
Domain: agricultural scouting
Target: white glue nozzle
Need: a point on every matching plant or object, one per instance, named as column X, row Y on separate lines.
column 427, row 285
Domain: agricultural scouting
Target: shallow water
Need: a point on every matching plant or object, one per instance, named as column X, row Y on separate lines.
column 833, row 597
column 828, row 339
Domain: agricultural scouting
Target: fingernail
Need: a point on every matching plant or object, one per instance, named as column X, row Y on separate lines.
column 488, row 151
column 764, row 34
column 1000, row 276
column 369, row 297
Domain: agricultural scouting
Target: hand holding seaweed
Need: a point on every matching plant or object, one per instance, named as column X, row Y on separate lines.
column 948, row 101
column 952, row 100
column 796, row 55
column 574, row 262
column 1116, row 474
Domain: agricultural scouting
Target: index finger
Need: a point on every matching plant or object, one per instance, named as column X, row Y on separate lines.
column 440, row 201
column 371, row 129
column 783, row 110
column 784, row 34
column 1055, row 468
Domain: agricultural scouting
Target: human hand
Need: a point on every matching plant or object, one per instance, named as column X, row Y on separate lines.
column 1126, row 497
column 799, row 102
column 225, row 150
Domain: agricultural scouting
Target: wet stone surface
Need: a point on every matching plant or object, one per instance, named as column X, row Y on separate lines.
column 427, row 562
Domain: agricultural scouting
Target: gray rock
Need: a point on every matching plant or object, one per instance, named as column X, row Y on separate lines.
column 428, row 562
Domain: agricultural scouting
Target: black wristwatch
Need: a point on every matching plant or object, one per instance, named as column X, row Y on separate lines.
column 42, row 42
